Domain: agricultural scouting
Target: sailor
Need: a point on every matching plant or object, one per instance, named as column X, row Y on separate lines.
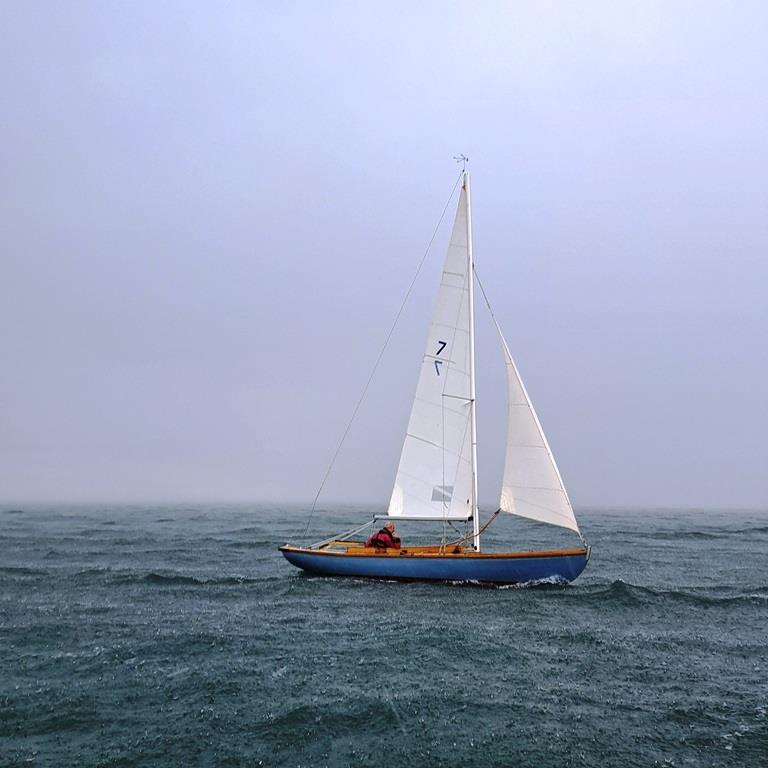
column 385, row 538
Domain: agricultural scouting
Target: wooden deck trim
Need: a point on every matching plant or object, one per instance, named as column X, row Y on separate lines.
column 419, row 552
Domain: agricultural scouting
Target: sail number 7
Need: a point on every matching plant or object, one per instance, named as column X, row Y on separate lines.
column 438, row 363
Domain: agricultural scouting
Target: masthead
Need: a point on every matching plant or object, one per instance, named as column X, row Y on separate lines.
column 463, row 159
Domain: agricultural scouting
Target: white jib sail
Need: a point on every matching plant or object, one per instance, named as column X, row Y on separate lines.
column 434, row 478
column 532, row 486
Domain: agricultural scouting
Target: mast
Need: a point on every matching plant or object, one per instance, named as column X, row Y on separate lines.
column 473, row 417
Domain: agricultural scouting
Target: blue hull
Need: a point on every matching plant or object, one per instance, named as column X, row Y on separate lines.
column 513, row 568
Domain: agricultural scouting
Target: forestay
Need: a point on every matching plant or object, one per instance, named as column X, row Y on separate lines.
column 532, row 486
column 434, row 478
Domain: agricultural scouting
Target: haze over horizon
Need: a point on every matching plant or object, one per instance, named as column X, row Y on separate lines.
column 209, row 216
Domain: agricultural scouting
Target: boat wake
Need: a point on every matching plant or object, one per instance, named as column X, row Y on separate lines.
column 550, row 581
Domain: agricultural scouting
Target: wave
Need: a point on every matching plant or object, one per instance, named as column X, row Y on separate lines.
column 111, row 576
column 688, row 534
column 234, row 543
column 246, row 529
column 755, row 529
column 88, row 533
column 20, row 570
column 95, row 571
column 177, row 579
column 624, row 593
column 347, row 717
column 695, row 535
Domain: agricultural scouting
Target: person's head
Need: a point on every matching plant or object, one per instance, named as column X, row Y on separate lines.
column 390, row 526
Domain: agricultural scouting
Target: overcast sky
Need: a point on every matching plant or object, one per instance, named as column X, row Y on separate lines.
column 210, row 212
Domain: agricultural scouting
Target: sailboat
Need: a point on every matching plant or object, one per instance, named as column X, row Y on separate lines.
column 437, row 476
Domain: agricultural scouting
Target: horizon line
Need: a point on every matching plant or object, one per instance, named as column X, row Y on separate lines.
column 14, row 504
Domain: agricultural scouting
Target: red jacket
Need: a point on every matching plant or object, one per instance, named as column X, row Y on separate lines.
column 383, row 540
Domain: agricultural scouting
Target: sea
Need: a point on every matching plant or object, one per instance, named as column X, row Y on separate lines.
column 177, row 635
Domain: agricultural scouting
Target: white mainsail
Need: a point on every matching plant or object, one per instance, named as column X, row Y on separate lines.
column 532, row 486
column 434, row 478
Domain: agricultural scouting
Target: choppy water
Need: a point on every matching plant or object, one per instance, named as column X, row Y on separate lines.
column 179, row 637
